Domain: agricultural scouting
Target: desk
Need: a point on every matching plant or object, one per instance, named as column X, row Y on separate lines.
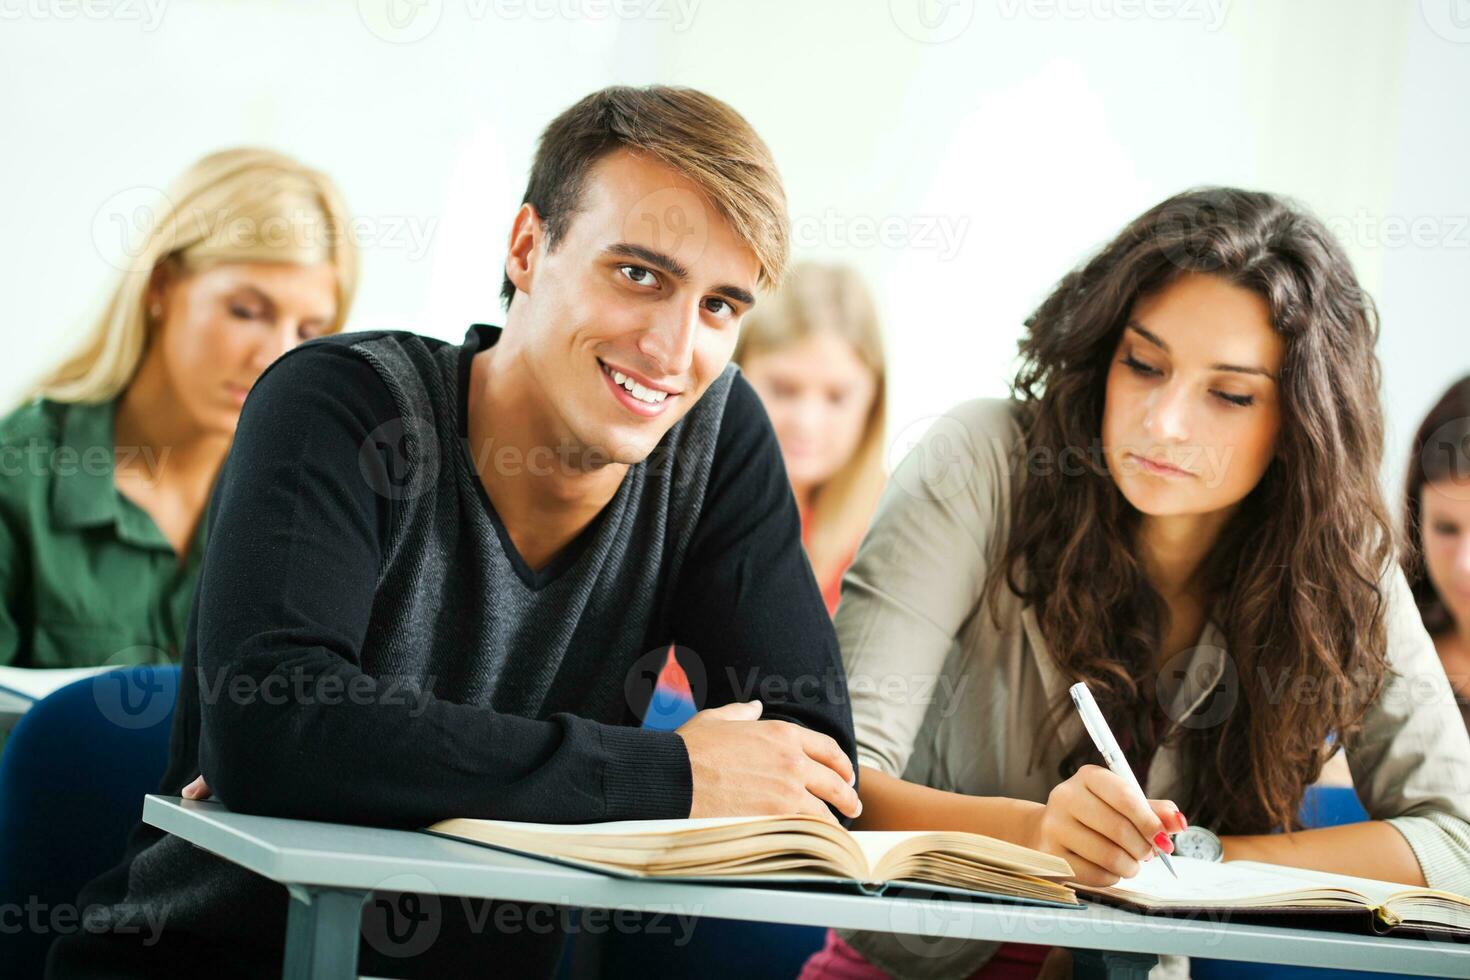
column 330, row 869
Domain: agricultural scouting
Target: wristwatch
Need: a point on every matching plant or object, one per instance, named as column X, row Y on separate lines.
column 1198, row 843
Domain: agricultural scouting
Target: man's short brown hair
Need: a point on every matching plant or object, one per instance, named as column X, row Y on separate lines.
column 692, row 133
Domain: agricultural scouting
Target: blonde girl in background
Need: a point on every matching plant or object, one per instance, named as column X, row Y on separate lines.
column 813, row 351
column 109, row 463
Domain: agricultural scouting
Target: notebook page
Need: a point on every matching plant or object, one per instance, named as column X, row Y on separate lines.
column 1208, row 883
column 1377, row 892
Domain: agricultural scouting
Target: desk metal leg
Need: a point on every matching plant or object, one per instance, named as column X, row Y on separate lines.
column 322, row 929
column 1097, row 964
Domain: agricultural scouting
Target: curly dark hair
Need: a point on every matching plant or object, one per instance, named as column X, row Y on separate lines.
column 1294, row 579
column 1448, row 424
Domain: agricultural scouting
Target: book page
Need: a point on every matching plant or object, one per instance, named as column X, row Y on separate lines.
column 876, row 843
column 1377, row 892
column 1206, row 883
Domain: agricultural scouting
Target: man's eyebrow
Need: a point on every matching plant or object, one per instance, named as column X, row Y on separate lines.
column 659, row 260
column 736, row 293
column 1158, row 342
column 667, row 263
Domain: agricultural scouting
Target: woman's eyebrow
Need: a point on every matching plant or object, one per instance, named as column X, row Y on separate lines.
column 257, row 293
column 1158, row 342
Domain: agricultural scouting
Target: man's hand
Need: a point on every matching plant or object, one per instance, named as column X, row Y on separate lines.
column 745, row 767
column 197, row 790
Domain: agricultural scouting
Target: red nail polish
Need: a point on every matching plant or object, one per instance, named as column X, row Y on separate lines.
column 1183, row 824
column 1164, row 843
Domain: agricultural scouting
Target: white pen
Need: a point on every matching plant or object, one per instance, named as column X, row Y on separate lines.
column 1102, row 737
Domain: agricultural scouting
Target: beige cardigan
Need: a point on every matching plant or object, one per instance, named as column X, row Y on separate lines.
column 944, row 697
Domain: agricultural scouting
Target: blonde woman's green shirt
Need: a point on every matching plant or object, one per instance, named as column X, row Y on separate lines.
column 86, row 576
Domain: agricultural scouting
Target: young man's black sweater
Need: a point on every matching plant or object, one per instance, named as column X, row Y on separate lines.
column 367, row 646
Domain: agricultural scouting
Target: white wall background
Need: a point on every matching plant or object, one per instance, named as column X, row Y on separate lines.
column 962, row 153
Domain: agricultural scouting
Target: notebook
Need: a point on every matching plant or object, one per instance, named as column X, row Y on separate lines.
column 1268, row 891
column 785, row 850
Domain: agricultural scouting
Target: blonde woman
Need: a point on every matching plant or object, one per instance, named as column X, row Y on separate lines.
column 814, row 354
column 109, row 464
column 813, row 351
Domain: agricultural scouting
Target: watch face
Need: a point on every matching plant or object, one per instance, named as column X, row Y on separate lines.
column 1198, row 843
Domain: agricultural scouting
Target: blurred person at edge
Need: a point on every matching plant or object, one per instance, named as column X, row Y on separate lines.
column 1436, row 555
column 813, row 351
column 110, row 460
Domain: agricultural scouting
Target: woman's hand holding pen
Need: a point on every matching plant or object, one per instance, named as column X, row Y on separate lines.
column 1100, row 826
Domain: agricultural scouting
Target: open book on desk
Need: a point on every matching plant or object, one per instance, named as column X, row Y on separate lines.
column 1281, row 894
column 784, row 850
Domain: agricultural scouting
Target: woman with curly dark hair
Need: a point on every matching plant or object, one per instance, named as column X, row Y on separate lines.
column 1180, row 506
column 1436, row 551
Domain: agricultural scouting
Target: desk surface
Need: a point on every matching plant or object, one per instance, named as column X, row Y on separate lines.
column 351, row 857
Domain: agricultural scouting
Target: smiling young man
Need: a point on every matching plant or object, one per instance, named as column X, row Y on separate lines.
column 441, row 578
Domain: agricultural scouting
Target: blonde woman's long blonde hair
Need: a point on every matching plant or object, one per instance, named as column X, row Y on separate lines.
column 815, row 298
column 236, row 205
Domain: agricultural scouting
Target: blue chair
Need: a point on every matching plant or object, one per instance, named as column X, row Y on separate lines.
column 72, row 780
column 1323, row 806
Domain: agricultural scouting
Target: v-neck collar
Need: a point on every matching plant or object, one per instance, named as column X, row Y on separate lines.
column 479, row 337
